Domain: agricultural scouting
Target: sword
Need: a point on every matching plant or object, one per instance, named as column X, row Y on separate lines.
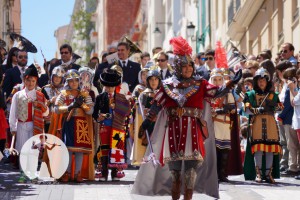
column 152, row 156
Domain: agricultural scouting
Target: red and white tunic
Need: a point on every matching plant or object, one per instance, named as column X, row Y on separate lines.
column 185, row 132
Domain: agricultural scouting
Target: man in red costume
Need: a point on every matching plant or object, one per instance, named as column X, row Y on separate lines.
column 182, row 97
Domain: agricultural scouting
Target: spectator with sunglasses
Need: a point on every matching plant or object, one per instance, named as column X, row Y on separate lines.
column 14, row 75
column 287, row 53
column 209, row 65
column 163, row 66
column 11, row 60
column 66, row 60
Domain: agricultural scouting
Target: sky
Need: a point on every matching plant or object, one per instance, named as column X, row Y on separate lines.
column 39, row 20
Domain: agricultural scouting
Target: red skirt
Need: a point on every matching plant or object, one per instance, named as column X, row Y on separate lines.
column 3, row 124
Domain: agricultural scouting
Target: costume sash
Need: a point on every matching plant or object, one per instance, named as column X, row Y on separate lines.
column 38, row 120
column 117, row 151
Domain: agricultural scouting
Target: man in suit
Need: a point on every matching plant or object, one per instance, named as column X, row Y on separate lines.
column 162, row 62
column 66, row 60
column 13, row 76
column 130, row 69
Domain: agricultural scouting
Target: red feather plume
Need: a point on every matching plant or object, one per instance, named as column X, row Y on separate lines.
column 181, row 46
column 220, row 56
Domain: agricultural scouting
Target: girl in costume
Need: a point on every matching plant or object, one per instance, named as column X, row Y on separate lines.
column 145, row 98
column 137, row 153
column 111, row 110
column 263, row 139
column 52, row 90
column 76, row 108
column 27, row 110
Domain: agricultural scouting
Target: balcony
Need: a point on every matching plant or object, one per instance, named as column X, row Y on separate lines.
column 242, row 18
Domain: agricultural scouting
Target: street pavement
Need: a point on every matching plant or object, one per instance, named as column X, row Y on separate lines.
column 238, row 188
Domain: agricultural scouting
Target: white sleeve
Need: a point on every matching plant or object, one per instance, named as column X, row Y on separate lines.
column 296, row 99
column 13, row 113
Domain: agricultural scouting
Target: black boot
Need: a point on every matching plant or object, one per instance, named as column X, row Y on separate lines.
column 223, row 177
column 104, row 169
column 176, row 184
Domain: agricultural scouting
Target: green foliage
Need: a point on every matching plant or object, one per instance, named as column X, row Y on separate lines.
column 83, row 25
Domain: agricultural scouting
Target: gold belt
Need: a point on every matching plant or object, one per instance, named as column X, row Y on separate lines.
column 185, row 111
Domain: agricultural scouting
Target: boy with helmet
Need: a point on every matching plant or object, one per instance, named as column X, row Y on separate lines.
column 111, row 110
column 225, row 126
column 52, row 90
column 263, row 141
column 76, row 108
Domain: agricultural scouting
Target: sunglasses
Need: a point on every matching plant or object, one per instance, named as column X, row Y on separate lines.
column 162, row 60
column 283, row 51
column 209, row 58
column 64, row 52
column 203, row 59
column 21, row 57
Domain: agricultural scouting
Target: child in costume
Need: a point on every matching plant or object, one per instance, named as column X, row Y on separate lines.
column 145, row 98
column 226, row 127
column 137, row 154
column 263, row 139
column 76, row 107
column 111, row 110
column 27, row 111
column 52, row 90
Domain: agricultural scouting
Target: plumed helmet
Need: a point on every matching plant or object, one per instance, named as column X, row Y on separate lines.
column 31, row 71
column 182, row 51
column 110, row 78
column 153, row 73
column 72, row 74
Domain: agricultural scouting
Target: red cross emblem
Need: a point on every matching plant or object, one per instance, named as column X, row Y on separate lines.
column 117, row 156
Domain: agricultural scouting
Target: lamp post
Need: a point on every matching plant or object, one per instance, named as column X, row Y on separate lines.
column 190, row 30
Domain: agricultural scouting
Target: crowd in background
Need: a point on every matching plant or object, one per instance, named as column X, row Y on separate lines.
column 56, row 74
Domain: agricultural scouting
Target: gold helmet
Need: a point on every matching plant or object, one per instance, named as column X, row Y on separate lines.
column 118, row 69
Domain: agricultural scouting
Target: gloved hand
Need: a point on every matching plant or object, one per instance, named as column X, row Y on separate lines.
column 237, row 77
column 79, row 100
column 73, row 105
column 146, row 124
column 238, row 89
column 261, row 110
column 220, row 111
